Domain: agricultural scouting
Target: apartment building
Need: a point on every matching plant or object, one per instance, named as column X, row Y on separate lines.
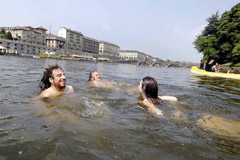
column 29, row 34
column 55, row 41
column 19, row 47
column 132, row 55
column 42, row 36
column 108, row 49
column 90, row 45
column 74, row 39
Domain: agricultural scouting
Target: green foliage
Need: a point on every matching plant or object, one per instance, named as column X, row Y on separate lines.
column 211, row 28
column 237, row 65
column 236, row 54
column 5, row 35
column 9, row 35
column 221, row 37
column 2, row 31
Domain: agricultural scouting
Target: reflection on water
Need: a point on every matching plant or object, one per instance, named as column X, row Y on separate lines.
column 105, row 123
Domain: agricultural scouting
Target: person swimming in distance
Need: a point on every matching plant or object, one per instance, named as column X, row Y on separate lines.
column 53, row 82
column 96, row 81
column 94, row 78
column 148, row 89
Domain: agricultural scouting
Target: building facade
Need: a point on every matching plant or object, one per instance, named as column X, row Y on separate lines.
column 90, row 45
column 6, row 29
column 29, row 34
column 149, row 59
column 55, row 41
column 132, row 55
column 42, row 36
column 74, row 39
column 108, row 49
column 19, row 47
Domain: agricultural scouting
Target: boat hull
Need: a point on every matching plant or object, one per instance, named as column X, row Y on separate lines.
column 195, row 70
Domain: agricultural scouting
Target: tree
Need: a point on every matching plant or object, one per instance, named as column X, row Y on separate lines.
column 229, row 34
column 236, row 54
column 220, row 39
column 2, row 33
column 207, row 42
column 211, row 28
column 9, row 35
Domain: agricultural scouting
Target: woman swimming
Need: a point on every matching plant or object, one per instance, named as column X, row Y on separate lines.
column 148, row 89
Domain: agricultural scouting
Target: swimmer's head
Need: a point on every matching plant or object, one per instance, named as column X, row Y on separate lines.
column 149, row 87
column 53, row 75
column 94, row 76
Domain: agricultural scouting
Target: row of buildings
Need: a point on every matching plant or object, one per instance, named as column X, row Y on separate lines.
column 30, row 40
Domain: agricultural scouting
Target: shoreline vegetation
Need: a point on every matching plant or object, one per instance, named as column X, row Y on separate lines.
column 220, row 39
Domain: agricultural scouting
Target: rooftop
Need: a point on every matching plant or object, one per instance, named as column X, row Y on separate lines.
column 41, row 28
column 132, row 51
column 70, row 30
column 104, row 42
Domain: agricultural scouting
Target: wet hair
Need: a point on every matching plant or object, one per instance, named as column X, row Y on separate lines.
column 150, row 88
column 45, row 83
column 90, row 75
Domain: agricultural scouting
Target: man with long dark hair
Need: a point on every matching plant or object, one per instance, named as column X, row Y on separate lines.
column 53, row 82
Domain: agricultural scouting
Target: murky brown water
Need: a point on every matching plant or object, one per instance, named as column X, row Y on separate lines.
column 104, row 123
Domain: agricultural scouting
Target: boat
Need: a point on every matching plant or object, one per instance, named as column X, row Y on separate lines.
column 36, row 56
column 198, row 71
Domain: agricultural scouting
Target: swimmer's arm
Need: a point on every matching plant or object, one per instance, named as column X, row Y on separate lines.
column 169, row 98
column 111, row 84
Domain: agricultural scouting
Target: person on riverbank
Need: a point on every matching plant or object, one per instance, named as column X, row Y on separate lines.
column 53, row 82
column 216, row 68
column 204, row 65
column 230, row 71
column 148, row 89
column 209, row 66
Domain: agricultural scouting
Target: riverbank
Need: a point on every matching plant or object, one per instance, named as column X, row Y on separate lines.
column 108, row 60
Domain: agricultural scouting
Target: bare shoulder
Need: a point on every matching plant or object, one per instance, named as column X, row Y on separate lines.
column 168, row 98
column 151, row 107
column 70, row 88
column 44, row 93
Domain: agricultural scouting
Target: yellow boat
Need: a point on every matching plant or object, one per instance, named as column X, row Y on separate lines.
column 198, row 71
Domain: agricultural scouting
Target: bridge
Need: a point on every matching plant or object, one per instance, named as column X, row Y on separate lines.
column 163, row 64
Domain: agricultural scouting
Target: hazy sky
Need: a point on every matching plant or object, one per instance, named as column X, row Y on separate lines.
column 161, row 28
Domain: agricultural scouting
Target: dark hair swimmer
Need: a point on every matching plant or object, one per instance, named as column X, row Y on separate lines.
column 148, row 89
column 53, row 82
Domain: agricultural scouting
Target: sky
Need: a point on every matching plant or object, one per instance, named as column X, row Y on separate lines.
column 162, row 28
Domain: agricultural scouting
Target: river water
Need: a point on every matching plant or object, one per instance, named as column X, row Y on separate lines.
column 108, row 123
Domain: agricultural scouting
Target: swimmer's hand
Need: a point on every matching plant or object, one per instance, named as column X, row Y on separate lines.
column 168, row 98
column 151, row 107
